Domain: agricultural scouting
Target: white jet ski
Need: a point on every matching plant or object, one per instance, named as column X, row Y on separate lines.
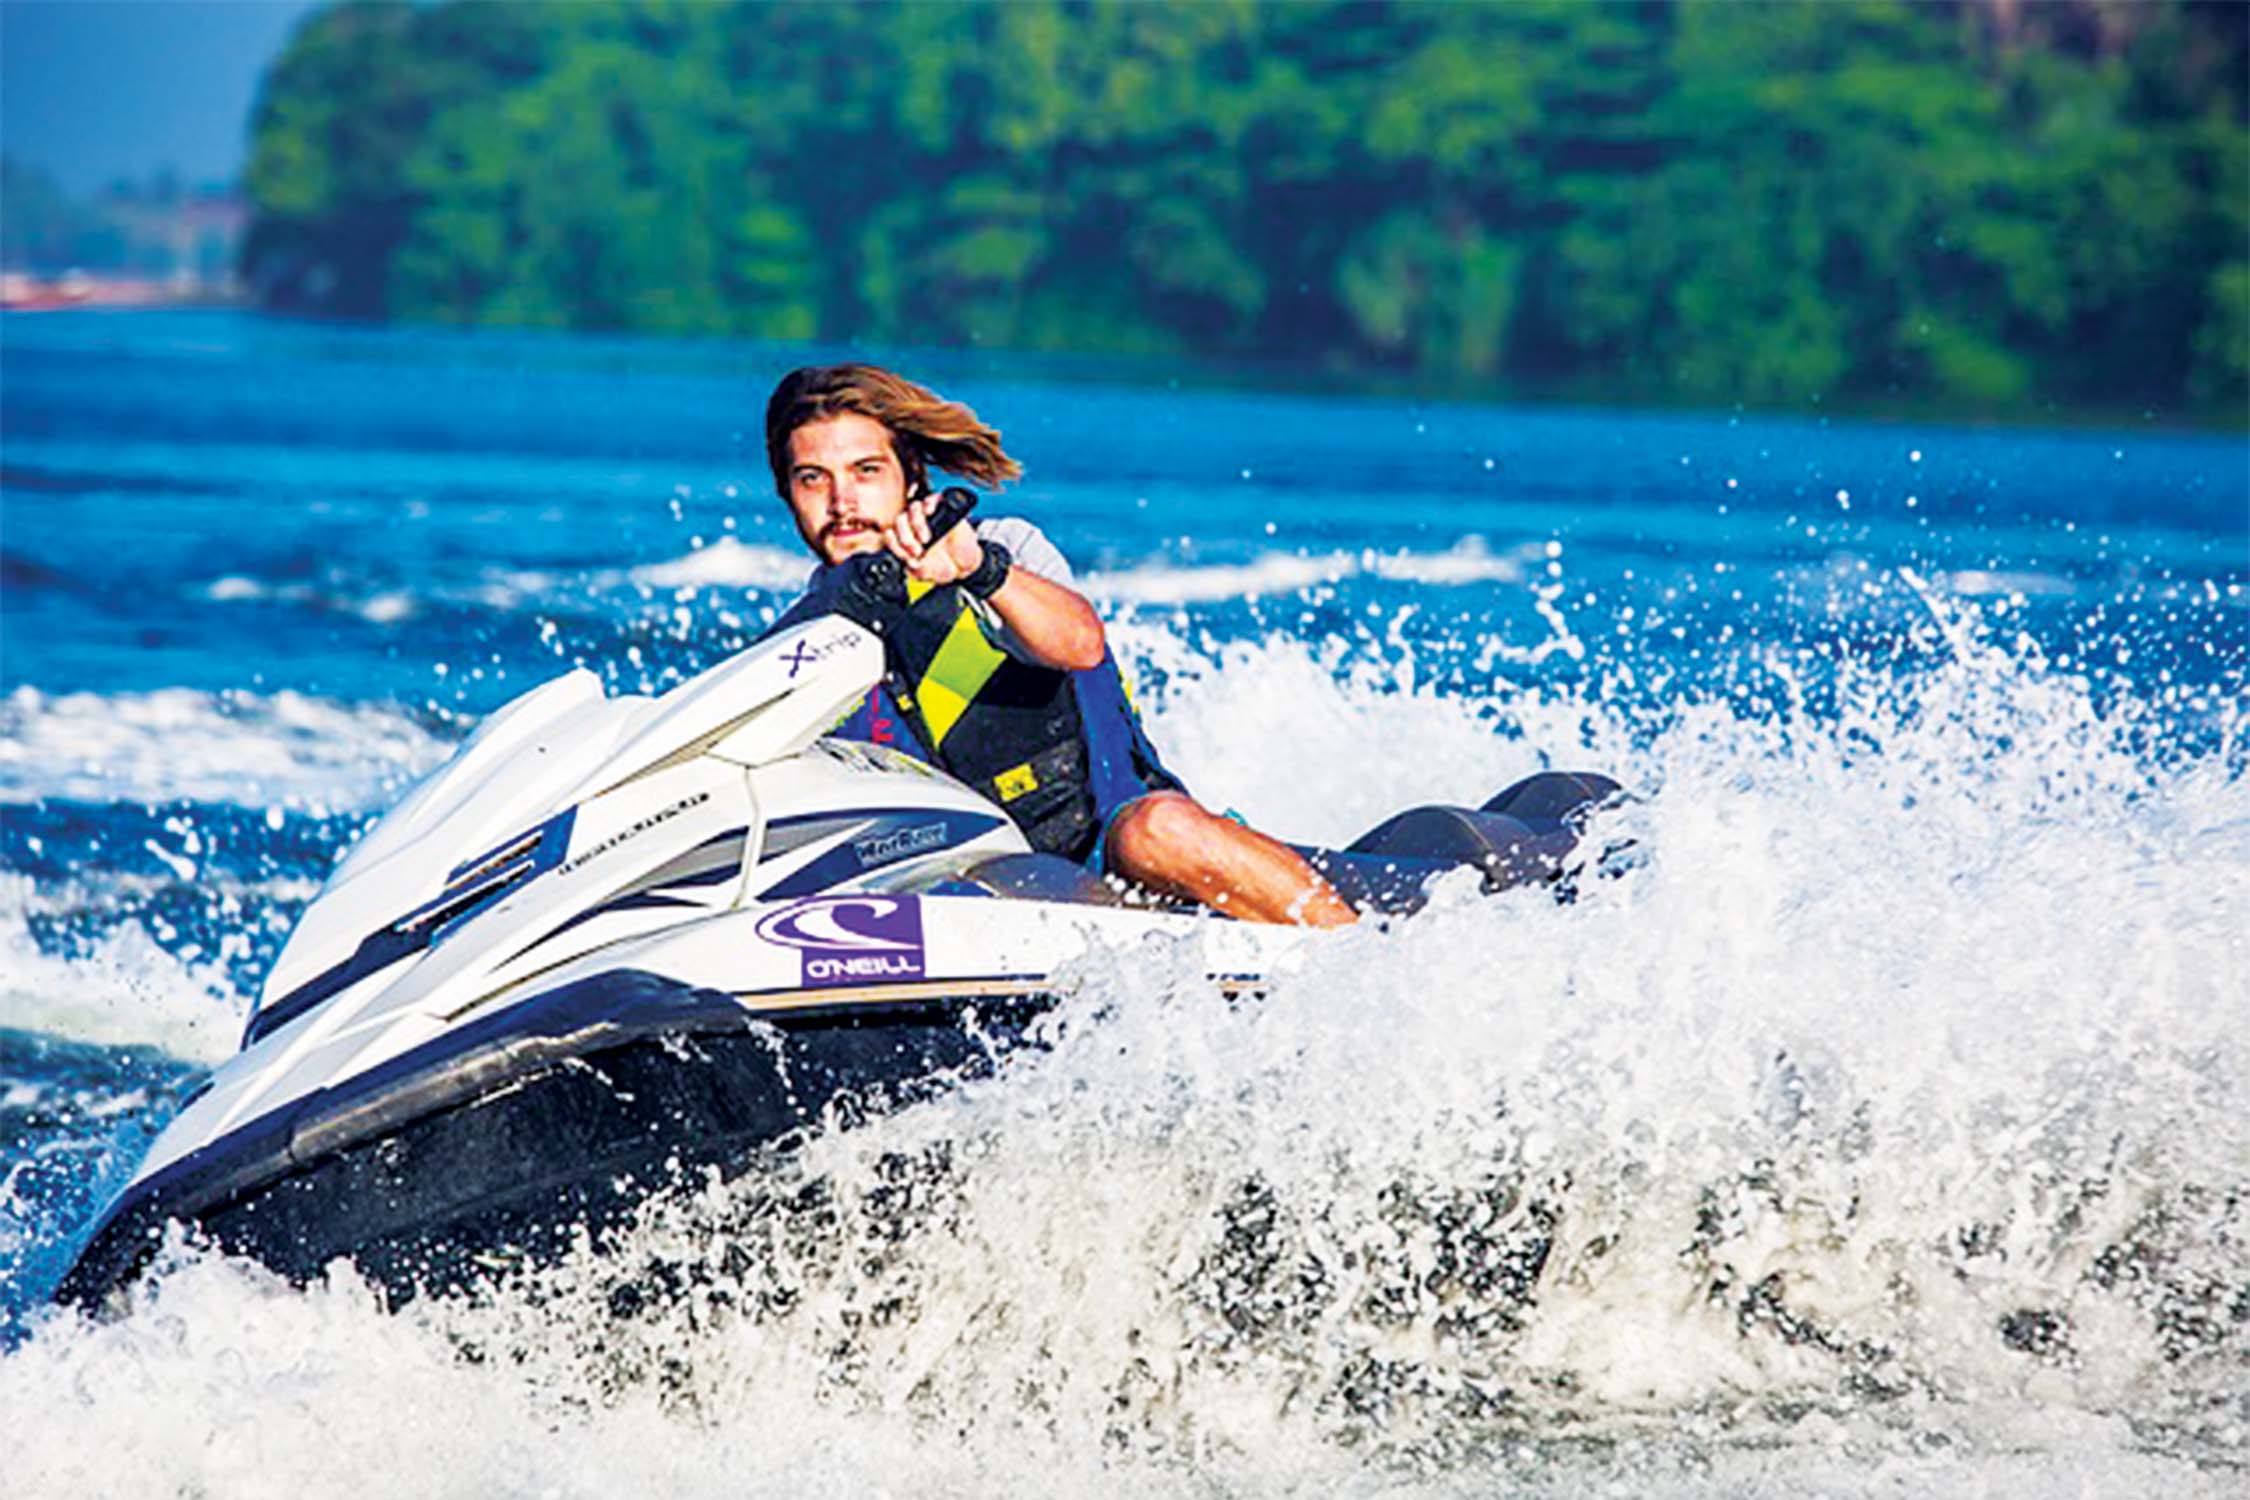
column 618, row 939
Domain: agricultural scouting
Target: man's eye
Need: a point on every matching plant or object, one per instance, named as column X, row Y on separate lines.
column 870, row 469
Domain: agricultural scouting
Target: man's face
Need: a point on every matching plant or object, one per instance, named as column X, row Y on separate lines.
column 845, row 484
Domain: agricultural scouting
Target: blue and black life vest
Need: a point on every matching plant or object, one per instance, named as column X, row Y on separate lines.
column 1058, row 750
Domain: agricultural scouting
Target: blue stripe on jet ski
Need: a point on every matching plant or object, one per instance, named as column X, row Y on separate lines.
column 492, row 856
column 850, row 859
column 713, row 876
column 788, row 836
column 640, row 899
column 717, row 839
column 379, row 950
column 785, row 836
column 654, row 895
column 636, row 900
column 475, row 886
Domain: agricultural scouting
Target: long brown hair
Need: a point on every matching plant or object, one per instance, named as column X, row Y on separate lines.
column 927, row 431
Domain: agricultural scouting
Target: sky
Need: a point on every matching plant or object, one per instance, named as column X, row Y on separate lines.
column 94, row 90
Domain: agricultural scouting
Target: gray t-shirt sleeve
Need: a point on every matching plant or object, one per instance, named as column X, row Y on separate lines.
column 1029, row 546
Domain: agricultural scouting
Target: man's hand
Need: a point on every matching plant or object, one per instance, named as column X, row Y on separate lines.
column 954, row 557
column 1054, row 625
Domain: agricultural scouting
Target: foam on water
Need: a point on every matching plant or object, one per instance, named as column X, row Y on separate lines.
column 124, row 989
column 1468, row 562
column 722, row 563
column 247, row 1389
column 281, row 750
column 376, row 607
column 1881, row 1132
column 1306, row 740
column 727, row 562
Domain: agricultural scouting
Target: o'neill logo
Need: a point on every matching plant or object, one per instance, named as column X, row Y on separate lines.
column 851, row 939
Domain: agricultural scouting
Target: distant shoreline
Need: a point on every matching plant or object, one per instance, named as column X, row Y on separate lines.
column 25, row 291
column 22, row 293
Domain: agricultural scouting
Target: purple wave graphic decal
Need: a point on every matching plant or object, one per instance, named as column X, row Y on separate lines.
column 851, row 939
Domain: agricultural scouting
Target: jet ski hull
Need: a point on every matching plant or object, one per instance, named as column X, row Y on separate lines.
column 557, row 1117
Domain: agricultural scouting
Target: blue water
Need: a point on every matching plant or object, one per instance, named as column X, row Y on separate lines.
column 1941, row 735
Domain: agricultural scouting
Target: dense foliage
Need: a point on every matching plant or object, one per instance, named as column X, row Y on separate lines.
column 1985, row 203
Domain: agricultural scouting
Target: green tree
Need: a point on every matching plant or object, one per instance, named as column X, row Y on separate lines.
column 1987, row 205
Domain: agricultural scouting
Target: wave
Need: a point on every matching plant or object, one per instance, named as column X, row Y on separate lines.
column 1275, row 573
column 93, row 482
column 725, row 563
column 1980, row 583
column 22, row 574
column 176, row 744
column 729, row 564
column 1893, row 1103
column 376, row 607
column 1858, row 1098
column 124, row 989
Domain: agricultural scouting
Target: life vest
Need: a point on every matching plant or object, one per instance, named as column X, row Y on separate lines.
column 1057, row 750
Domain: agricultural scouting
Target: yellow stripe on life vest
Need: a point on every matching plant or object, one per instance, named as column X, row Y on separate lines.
column 959, row 671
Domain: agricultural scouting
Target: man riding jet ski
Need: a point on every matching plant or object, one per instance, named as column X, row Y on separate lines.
column 998, row 668
column 615, row 941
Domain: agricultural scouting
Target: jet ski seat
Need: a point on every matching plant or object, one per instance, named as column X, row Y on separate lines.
column 1523, row 836
column 1033, row 877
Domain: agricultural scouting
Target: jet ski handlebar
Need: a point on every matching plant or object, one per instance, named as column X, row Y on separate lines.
column 874, row 584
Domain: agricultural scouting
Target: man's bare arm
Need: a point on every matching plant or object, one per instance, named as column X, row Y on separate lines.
column 1054, row 622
